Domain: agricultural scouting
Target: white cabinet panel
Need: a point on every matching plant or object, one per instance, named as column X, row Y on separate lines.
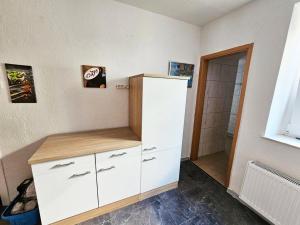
column 163, row 112
column 63, row 164
column 118, row 177
column 66, row 192
column 160, row 168
column 118, row 154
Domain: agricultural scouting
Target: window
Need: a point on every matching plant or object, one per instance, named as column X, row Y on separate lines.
column 293, row 128
column 284, row 119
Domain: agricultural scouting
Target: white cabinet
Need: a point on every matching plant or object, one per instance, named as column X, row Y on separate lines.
column 160, row 168
column 65, row 188
column 163, row 110
column 68, row 187
column 157, row 109
column 118, row 174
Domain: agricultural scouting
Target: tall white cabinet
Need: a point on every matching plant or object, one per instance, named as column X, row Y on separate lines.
column 157, row 109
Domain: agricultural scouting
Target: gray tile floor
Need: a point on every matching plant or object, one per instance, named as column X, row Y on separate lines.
column 199, row 200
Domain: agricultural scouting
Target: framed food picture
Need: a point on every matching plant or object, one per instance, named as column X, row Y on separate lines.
column 182, row 69
column 21, row 84
column 94, row 76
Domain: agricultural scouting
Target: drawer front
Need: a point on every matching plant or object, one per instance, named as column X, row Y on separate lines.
column 118, row 179
column 118, row 154
column 160, row 168
column 66, row 193
column 153, row 148
column 58, row 166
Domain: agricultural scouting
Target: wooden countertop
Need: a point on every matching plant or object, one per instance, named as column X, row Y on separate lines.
column 63, row 146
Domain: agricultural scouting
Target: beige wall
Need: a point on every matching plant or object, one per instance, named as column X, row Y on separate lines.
column 56, row 38
column 264, row 22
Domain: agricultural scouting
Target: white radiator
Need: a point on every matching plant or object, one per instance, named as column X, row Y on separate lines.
column 271, row 193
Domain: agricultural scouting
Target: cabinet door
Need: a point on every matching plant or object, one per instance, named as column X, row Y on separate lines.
column 66, row 191
column 163, row 112
column 160, row 168
column 118, row 178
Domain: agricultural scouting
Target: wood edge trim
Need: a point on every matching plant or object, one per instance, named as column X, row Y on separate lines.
column 199, row 108
column 160, row 76
column 158, row 191
column 115, row 205
column 239, row 114
column 54, row 158
column 239, row 49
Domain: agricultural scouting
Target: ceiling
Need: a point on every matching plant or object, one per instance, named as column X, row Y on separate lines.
column 198, row 12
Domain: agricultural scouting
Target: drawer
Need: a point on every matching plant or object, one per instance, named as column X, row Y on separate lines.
column 146, row 149
column 66, row 193
column 160, row 168
column 118, row 178
column 118, row 154
column 69, row 164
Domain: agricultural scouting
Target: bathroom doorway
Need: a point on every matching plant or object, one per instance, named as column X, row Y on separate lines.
column 221, row 89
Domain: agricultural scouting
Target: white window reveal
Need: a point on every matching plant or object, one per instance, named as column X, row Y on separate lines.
column 284, row 119
column 293, row 128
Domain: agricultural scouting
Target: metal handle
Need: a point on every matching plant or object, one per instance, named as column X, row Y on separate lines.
column 105, row 169
column 146, row 160
column 118, row 155
column 149, row 149
column 79, row 175
column 62, row 165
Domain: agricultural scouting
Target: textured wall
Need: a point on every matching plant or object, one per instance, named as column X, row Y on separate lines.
column 264, row 22
column 56, row 38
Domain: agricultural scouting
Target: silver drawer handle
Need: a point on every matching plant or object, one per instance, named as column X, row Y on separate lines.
column 146, row 160
column 105, row 169
column 118, row 155
column 79, row 175
column 62, row 165
column 149, row 149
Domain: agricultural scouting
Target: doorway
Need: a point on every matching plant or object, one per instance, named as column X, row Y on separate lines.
column 221, row 90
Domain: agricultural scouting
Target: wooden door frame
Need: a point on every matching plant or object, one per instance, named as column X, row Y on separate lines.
column 248, row 48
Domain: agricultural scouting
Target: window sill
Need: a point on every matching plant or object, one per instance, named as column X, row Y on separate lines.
column 284, row 139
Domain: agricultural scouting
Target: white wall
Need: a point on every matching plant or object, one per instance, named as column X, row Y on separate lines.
column 264, row 22
column 56, row 38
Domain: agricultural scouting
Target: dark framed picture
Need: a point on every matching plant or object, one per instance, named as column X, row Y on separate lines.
column 21, row 84
column 94, row 76
column 182, row 69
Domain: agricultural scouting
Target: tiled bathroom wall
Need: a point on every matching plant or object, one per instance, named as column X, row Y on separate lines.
column 220, row 87
column 236, row 95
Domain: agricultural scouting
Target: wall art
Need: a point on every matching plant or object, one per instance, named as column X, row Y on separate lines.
column 94, row 76
column 182, row 69
column 21, row 84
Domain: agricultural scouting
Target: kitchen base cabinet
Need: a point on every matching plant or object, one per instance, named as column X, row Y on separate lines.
column 160, row 168
column 119, row 176
column 64, row 190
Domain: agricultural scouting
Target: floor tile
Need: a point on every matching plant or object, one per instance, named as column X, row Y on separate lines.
column 198, row 200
